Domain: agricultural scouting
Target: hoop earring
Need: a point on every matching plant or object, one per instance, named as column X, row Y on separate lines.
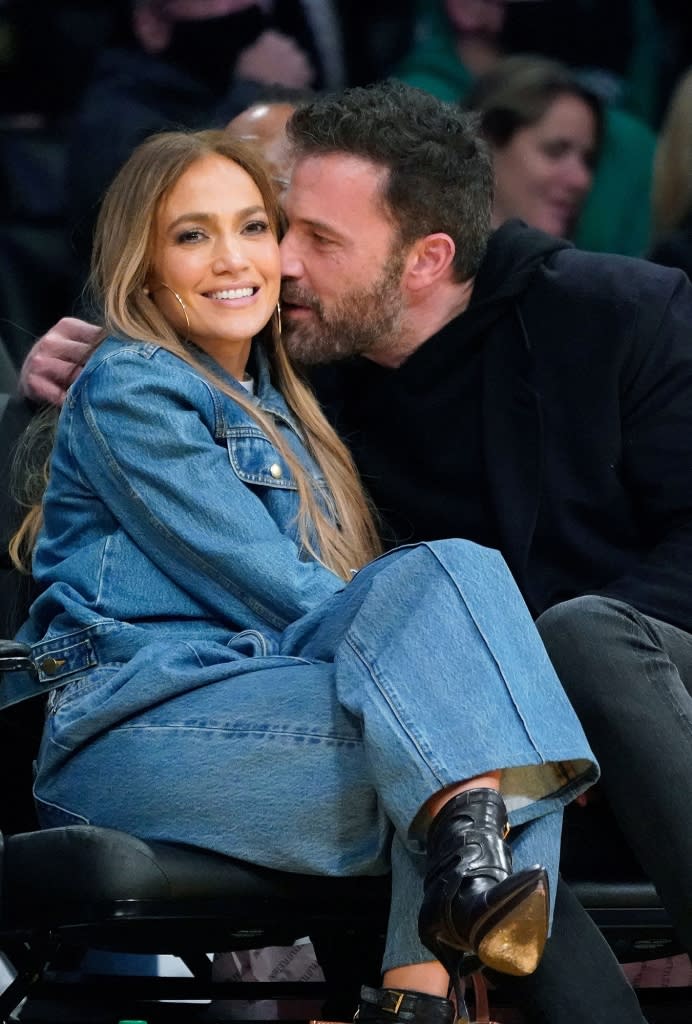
column 278, row 319
column 162, row 284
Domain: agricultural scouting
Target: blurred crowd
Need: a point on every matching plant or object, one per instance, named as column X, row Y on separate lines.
column 588, row 115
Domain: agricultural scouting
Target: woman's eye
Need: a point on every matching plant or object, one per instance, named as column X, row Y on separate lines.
column 190, row 235
column 555, row 150
column 256, row 227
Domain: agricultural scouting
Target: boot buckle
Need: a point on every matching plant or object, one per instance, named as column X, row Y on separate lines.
column 397, row 999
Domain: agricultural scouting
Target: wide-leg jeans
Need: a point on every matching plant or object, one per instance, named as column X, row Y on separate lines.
column 315, row 753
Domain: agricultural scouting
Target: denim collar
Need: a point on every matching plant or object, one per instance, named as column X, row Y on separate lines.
column 266, row 397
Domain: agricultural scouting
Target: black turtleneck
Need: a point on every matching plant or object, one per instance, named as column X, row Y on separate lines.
column 416, row 431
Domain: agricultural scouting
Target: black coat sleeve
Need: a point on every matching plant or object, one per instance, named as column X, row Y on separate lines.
column 656, row 404
column 15, row 588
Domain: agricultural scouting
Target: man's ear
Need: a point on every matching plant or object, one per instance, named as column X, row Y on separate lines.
column 428, row 261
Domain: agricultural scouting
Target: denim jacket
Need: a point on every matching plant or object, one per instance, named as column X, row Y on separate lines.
column 169, row 514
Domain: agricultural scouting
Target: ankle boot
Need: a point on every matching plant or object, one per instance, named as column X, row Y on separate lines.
column 472, row 902
column 389, row 1005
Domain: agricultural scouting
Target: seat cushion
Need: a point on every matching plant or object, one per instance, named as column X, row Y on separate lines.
column 115, row 886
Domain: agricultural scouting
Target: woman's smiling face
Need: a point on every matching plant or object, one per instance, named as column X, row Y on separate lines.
column 213, row 245
column 544, row 172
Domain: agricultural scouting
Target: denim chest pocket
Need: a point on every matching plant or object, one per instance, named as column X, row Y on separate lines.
column 256, row 461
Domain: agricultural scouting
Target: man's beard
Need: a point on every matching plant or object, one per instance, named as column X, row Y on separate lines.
column 360, row 323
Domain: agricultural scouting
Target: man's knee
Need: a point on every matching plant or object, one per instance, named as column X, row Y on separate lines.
column 582, row 621
column 583, row 636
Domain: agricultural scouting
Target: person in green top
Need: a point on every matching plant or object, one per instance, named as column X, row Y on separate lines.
column 545, row 130
column 459, row 40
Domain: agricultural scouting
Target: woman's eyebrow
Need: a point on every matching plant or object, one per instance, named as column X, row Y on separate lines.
column 205, row 218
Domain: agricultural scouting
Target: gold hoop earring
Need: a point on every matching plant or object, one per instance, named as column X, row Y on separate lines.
column 162, row 284
column 278, row 319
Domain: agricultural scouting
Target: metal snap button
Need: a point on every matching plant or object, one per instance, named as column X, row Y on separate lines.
column 276, row 471
column 51, row 665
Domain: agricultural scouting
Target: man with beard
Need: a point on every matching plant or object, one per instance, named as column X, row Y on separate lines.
column 533, row 398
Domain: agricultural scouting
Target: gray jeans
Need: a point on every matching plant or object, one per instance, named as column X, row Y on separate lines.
column 629, row 678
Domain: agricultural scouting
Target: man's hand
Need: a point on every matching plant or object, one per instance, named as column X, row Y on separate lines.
column 275, row 58
column 55, row 360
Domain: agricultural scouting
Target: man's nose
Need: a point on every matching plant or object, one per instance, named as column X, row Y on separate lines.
column 291, row 264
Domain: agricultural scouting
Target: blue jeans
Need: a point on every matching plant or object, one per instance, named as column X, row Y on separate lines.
column 425, row 670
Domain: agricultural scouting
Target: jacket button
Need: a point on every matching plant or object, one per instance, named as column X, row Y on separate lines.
column 51, row 665
column 276, row 471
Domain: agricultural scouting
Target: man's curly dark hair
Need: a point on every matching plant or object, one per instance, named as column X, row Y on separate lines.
column 440, row 170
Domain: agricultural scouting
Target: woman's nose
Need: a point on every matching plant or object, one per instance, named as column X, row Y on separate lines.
column 579, row 174
column 229, row 255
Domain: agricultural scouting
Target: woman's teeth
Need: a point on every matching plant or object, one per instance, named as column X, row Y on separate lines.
column 232, row 293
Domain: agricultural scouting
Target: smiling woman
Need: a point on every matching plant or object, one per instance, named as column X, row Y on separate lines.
column 545, row 129
column 214, row 248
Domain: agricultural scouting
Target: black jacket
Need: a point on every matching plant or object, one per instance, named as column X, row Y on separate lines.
column 15, row 589
column 585, row 417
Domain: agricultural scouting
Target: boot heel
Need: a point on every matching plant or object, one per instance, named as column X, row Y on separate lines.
column 512, row 939
column 508, row 934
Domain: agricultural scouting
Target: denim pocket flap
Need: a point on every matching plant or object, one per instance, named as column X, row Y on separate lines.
column 255, row 460
column 64, row 660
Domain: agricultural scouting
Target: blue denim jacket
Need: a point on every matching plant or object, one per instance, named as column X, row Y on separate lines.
column 169, row 514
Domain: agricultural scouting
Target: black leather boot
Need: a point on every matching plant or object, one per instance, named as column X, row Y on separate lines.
column 387, row 1005
column 472, row 902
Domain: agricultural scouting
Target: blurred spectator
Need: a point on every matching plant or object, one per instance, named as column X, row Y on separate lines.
column 220, row 40
column 616, row 214
column 633, row 51
column 263, row 124
column 47, row 51
column 615, row 217
column 623, row 56
column 619, row 47
column 456, row 40
column 675, row 17
column 544, row 129
column 672, row 191
column 186, row 63
column 198, row 63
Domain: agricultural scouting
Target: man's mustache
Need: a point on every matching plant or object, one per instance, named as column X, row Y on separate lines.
column 293, row 295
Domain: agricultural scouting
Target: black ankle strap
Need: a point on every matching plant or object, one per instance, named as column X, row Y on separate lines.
column 386, row 1004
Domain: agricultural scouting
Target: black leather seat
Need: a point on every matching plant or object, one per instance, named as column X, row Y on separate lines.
column 115, row 891
column 66, row 891
column 69, row 890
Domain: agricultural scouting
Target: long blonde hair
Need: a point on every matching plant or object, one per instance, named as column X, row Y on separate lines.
column 672, row 181
column 335, row 524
